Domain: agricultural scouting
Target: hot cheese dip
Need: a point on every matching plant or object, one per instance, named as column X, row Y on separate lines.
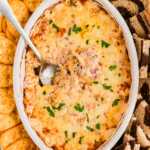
column 89, row 93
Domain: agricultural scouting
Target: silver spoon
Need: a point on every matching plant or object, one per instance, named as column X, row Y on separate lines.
column 47, row 70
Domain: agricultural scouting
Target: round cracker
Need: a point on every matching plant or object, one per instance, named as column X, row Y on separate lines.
column 5, row 76
column 22, row 14
column 22, row 144
column 32, row 4
column 9, row 36
column 7, row 50
column 12, row 135
column 8, row 121
column 7, row 103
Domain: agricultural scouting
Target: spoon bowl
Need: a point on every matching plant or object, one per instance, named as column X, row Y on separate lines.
column 47, row 73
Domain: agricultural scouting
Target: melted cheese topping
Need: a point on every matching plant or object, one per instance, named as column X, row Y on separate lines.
column 90, row 89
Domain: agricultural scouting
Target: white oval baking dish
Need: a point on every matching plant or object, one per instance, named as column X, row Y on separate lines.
column 19, row 71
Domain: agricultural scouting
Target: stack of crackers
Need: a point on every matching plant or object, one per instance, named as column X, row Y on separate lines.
column 137, row 16
column 12, row 133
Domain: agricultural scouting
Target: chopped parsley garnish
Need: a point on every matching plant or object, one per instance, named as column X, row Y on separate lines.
column 112, row 67
column 89, row 128
column 81, row 139
column 98, row 27
column 66, row 133
column 104, row 44
column 67, row 140
column 50, row 111
column 74, row 134
column 106, row 79
column 119, row 74
column 76, row 29
column 97, row 41
column 107, row 87
column 97, row 116
column 50, row 21
column 44, row 92
column 102, row 99
column 56, row 27
column 95, row 82
column 87, row 26
column 79, row 108
column 69, row 32
column 115, row 102
column 87, row 117
column 98, row 126
column 87, row 41
column 59, row 107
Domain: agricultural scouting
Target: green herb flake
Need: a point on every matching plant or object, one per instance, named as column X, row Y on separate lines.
column 87, row 117
column 104, row 44
column 79, row 108
column 81, row 139
column 59, row 107
column 95, row 82
column 97, row 41
column 69, row 32
column 74, row 134
column 50, row 21
column 89, row 128
column 119, row 74
column 106, row 79
column 67, row 140
column 66, row 133
column 50, row 111
column 98, row 27
column 55, row 27
column 44, row 92
column 107, row 87
column 98, row 126
column 87, row 41
column 112, row 67
column 115, row 102
column 97, row 116
column 76, row 29
column 87, row 26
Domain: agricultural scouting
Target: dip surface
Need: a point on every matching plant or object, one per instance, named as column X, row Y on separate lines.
column 89, row 93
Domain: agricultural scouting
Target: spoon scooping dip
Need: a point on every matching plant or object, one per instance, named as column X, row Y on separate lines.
column 47, row 70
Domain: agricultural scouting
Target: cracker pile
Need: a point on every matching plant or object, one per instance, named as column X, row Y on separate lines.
column 137, row 16
column 12, row 133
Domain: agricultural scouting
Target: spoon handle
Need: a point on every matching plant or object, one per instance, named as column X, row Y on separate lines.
column 7, row 12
